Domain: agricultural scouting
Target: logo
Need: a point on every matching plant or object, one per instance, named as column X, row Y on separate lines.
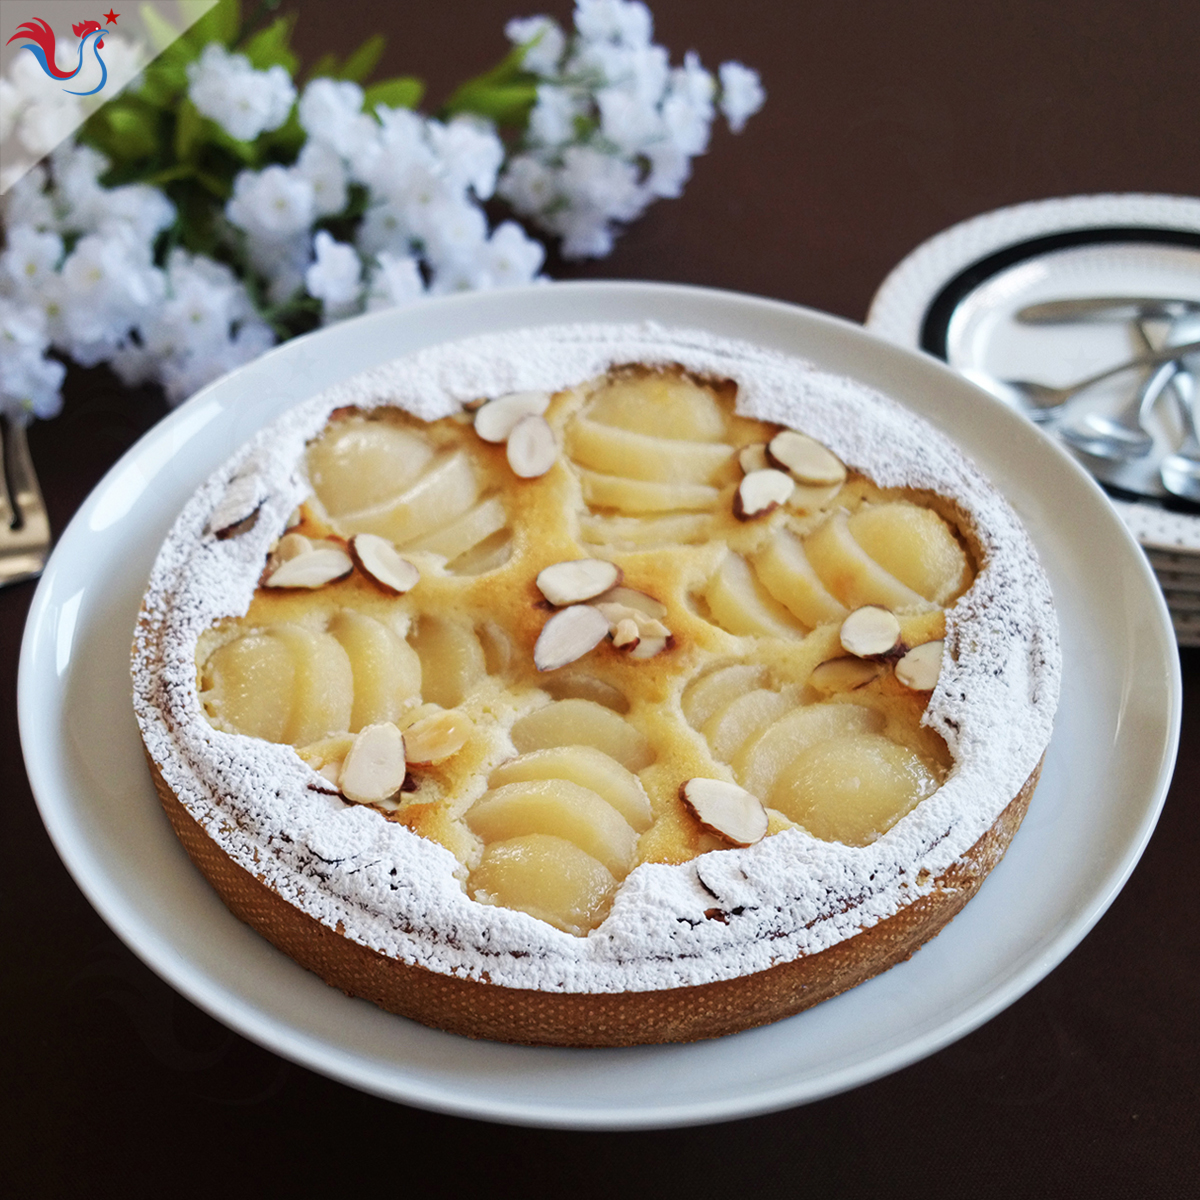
column 40, row 41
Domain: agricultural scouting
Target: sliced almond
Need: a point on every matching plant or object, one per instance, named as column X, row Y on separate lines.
column 577, row 580
column 843, row 674
column 753, row 458
column 312, row 569
column 648, row 647
column 237, row 508
column 920, row 667
column 531, row 448
column 374, row 769
column 496, row 419
column 805, row 458
column 647, row 626
column 625, row 634
column 291, row 545
column 437, row 736
column 870, row 632
column 760, row 492
column 382, row 563
column 725, row 809
column 331, row 771
column 569, row 635
column 632, row 598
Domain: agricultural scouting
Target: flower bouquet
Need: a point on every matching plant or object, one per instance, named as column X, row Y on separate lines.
column 226, row 200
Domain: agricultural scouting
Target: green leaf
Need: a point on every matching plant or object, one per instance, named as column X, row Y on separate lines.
column 286, row 142
column 132, row 127
column 221, row 188
column 162, row 32
column 270, row 48
column 189, row 130
column 405, row 91
column 171, row 174
column 324, row 68
column 504, row 94
column 510, row 69
column 506, row 104
column 126, row 130
column 246, row 152
column 220, row 23
column 364, row 60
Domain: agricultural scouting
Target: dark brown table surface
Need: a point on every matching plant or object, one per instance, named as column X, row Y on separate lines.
column 885, row 123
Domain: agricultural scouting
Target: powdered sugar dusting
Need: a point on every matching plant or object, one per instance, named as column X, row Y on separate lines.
column 400, row 894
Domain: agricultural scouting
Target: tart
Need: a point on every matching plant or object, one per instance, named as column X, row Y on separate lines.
column 596, row 685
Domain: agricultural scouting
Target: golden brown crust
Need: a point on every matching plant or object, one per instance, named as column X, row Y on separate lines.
column 484, row 1010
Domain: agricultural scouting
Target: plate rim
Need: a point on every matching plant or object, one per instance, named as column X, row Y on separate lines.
column 235, row 1012
column 897, row 310
column 903, row 302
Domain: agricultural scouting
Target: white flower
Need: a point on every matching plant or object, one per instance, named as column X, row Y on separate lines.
column 383, row 229
column 396, row 281
column 742, row 94
column 27, row 203
column 400, row 149
column 108, row 283
column 11, row 102
column 29, row 260
column 77, row 190
column 203, row 299
column 469, row 152
column 544, row 42
column 529, row 185
column 670, row 169
column 585, row 233
column 29, row 382
column 243, row 101
column 185, row 374
column 552, row 119
column 511, row 257
column 507, row 259
column 46, row 123
column 335, row 277
column 283, row 261
column 688, row 108
column 602, row 182
column 450, row 230
column 628, row 121
column 331, row 113
column 625, row 22
column 144, row 209
column 273, row 203
column 322, row 166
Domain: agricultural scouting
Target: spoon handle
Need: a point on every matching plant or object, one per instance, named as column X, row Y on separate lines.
column 1110, row 308
column 1162, row 355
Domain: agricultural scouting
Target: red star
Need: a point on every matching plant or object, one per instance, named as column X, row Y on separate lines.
column 110, row 17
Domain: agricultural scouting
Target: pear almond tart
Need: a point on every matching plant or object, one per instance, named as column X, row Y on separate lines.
column 596, row 685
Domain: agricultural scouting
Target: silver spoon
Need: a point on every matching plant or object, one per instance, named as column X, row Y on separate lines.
column 1106, row 308
column 1042, row 402
column 1122, row 434
column 1181, row 470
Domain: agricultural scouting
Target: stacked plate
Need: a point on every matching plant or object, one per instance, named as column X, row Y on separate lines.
column 977, row 296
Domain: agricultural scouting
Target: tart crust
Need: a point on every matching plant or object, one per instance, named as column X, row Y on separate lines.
column 480, row 1009
column 726, row 941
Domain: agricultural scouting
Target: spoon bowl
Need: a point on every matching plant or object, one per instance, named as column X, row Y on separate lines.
column 1122, row 434
column 1043, row 402
column 1180, row 470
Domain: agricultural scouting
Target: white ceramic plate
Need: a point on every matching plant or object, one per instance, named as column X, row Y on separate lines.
column 1105, row 777
column 982, row 333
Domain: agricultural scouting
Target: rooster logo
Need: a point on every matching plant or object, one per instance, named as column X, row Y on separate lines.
column 40, row 41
